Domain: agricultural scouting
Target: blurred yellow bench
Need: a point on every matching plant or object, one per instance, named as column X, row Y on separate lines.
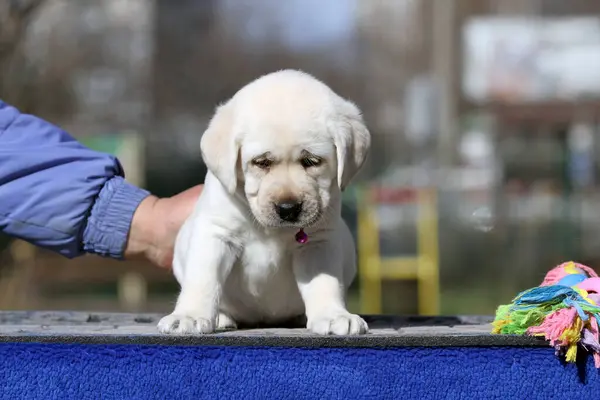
column 422, row 267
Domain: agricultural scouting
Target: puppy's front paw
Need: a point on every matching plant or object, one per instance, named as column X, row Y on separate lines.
column 341, row 323
column 183, row 324
column 225, row 322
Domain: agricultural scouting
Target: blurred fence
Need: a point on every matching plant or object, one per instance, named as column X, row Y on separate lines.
column 494, row 103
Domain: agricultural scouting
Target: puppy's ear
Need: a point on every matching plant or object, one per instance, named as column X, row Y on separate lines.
column 220, row 147
column 352, row 141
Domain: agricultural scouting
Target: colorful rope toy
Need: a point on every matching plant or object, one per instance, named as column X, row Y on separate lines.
column 564, row 309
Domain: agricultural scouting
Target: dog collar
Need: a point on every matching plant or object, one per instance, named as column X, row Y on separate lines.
column 301, row 236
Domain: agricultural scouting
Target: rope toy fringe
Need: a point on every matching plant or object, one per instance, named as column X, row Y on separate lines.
column 564, row 310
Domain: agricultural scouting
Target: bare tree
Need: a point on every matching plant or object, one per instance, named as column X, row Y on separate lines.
column 15, row 16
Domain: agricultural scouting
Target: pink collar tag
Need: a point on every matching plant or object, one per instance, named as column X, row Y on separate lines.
column 301, row 236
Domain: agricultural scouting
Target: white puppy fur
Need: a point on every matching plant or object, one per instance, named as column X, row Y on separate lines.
column 279, row 153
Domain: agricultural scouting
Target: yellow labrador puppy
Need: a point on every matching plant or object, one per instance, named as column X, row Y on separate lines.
column 266, row 241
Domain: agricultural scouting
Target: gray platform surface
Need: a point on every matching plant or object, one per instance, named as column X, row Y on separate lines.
column 385, row 331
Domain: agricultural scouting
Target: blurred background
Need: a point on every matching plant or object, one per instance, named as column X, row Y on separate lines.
column 485, row 116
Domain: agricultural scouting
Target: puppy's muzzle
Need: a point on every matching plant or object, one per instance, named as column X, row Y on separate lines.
column 288, row 211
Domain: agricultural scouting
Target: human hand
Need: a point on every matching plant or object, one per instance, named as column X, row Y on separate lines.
column 155, row 225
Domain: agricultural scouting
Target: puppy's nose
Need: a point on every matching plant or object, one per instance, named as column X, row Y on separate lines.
column 289, row 211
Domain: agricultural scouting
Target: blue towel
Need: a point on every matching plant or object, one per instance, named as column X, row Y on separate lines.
column 78, row 371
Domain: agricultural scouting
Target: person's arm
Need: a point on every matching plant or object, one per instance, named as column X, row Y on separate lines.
column 60, row 195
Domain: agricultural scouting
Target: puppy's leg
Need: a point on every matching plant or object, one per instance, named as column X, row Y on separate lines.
column 224, row 321
column 208, row 261
column 319, row 273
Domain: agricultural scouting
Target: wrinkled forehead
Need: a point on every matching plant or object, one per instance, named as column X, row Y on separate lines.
column 286, row 146
column 285, row 132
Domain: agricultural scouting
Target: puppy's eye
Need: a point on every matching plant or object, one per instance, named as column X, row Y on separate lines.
column 262, row 163
column 308, row 162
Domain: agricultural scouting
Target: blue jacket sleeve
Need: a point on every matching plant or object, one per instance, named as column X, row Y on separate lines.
column 59, row 194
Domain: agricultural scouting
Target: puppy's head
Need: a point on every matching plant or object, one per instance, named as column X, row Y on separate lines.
column 290, row 142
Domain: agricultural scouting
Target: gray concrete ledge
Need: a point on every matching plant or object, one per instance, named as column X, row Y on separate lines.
column 140, row 329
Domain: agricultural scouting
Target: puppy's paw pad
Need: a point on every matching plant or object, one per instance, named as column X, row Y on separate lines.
column 224, row 321
column 182, row 324
column 340, row 324
column 204, row 325
column 176, row 324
